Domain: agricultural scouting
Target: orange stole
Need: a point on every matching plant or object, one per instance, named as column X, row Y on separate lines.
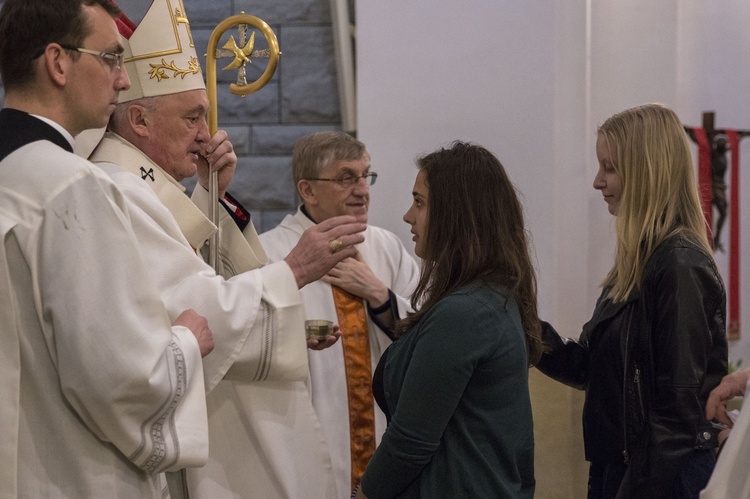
column 352, row 318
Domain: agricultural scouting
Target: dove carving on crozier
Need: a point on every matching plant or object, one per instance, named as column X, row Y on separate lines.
column 241, row 55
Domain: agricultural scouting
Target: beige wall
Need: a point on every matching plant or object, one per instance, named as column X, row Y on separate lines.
column 531, row 81
column 561, row 472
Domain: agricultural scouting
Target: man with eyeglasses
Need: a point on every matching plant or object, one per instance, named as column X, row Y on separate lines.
column 364, row 294
column 265, row 439
column 98, row 391
column 111, row 59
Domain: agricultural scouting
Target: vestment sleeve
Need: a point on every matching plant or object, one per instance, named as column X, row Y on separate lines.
column 256, row 316
column 406, row 279
column 276, row 348
column 133, row 379
column 400, row 272
column 240, row 249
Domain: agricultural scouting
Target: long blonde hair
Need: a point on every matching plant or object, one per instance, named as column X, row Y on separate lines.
column 659, row 196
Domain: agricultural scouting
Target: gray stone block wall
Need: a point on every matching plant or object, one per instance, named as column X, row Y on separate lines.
column 301, row 98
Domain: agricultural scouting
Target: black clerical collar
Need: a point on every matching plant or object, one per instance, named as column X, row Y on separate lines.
column 304, row 210
column 18, row 128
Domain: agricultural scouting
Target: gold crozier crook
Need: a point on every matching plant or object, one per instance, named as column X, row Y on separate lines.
column 241, row 52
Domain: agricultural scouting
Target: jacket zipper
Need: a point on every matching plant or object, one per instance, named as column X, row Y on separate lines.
column 638, row 392
column 625, row 456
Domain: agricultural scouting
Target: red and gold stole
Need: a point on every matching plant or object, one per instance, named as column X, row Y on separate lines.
column 352, row 318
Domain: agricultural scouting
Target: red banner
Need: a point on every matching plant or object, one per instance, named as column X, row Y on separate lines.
column 734, row 236
column 704, row 178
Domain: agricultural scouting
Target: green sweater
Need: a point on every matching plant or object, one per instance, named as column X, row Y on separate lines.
column 457, row 388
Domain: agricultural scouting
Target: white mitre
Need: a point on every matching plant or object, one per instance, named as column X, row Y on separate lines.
column 160, row 55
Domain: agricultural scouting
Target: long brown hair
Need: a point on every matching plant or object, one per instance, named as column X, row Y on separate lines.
column 475, row 231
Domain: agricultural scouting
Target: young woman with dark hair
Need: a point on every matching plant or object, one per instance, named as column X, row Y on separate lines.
column 455, row 384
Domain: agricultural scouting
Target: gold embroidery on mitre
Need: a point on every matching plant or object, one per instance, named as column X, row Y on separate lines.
column 157, row 70
column 176, row 17
column 161, row 58
column 180, row 18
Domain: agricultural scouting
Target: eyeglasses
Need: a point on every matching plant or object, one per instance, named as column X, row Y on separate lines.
column 113, row 60
column 349, row 180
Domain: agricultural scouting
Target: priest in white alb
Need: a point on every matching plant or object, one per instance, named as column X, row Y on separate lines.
column 364, row 294
column 98, row 392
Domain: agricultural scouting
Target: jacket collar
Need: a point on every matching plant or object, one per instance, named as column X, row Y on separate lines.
column 606, row 308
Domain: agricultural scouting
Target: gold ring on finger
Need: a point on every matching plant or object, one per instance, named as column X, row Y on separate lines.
column 335, row 245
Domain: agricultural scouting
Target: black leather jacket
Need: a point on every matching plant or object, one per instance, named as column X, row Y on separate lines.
column 674, row 352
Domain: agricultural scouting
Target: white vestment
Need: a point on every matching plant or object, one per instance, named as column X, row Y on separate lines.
column 265, row 440
column 98, row 391
column 730, row 478
column 392, row 264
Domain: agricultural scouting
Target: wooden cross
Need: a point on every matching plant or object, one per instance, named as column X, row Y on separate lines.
column 717, row 142
column 712, row 149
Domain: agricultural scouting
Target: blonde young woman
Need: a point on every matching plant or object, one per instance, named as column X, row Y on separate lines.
column 655, row 346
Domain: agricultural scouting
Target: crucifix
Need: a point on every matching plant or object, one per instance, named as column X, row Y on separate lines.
column 717, row 142
column 713, row 144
